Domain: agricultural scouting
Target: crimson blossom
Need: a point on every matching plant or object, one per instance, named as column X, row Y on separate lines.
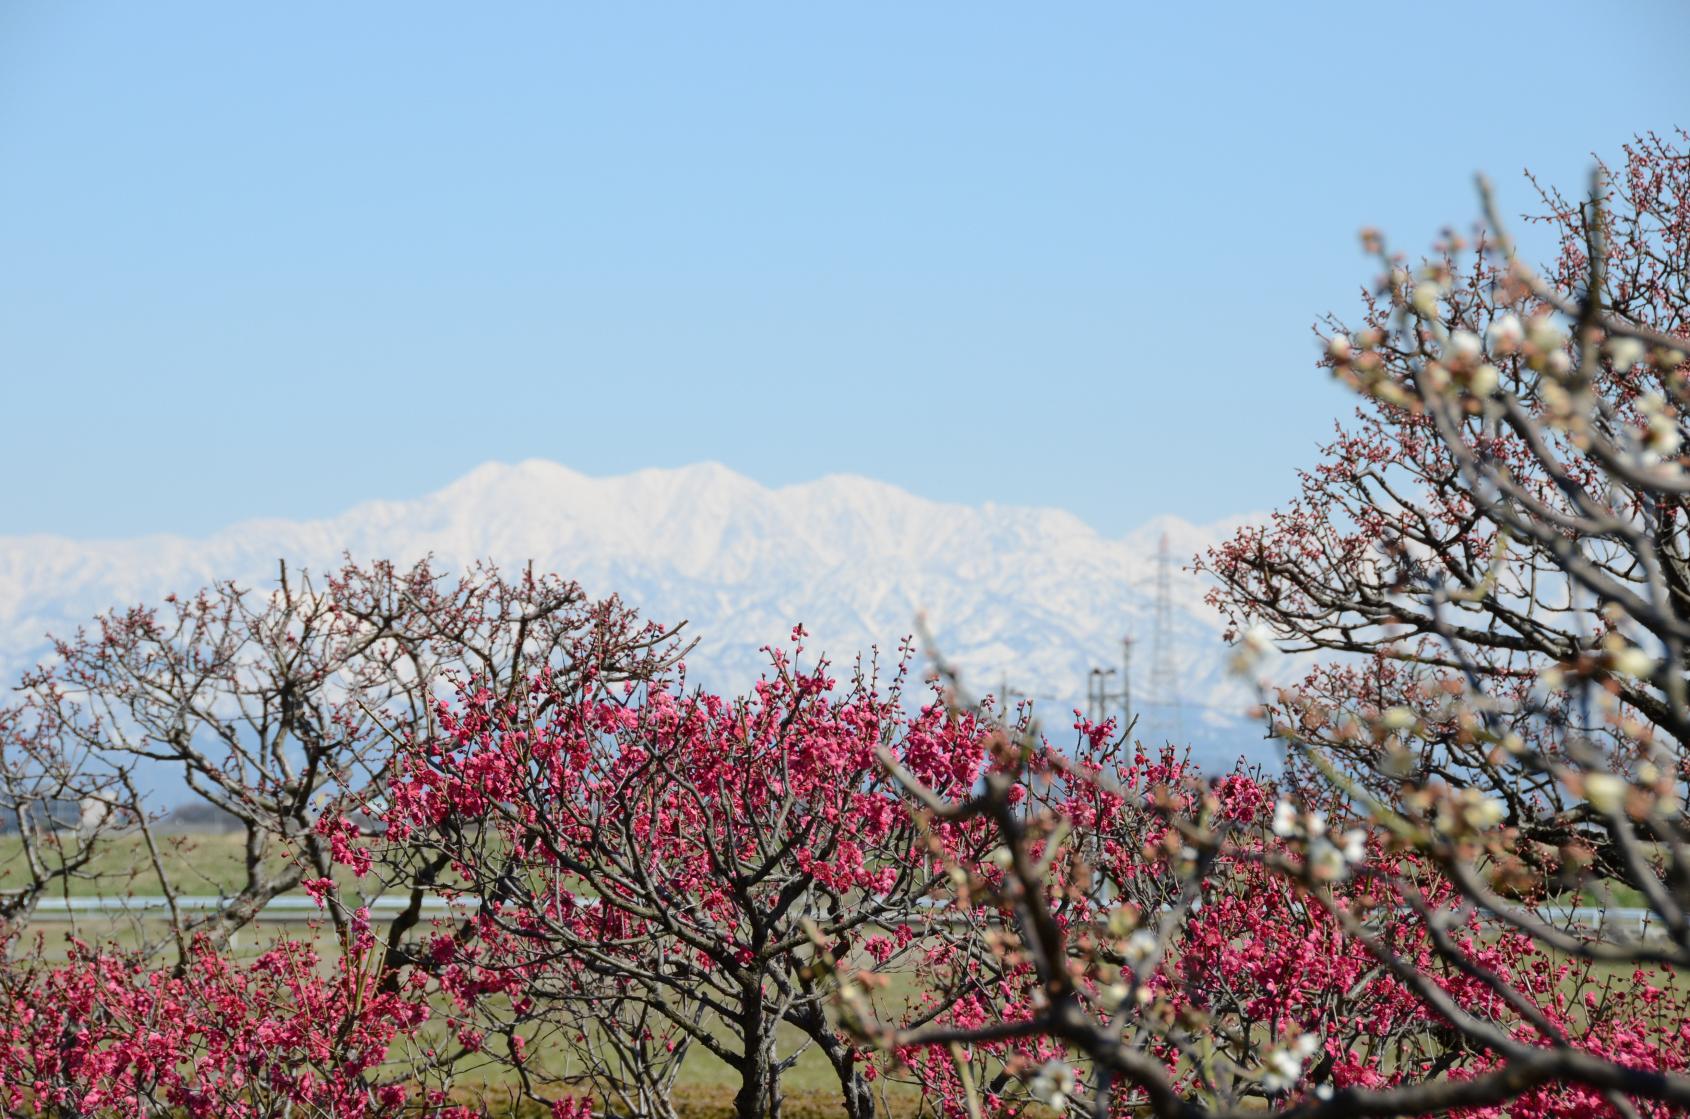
column 653, row 875
column 1146, row 939
column 277, row 708
column 105, row 1032
column 280, row 711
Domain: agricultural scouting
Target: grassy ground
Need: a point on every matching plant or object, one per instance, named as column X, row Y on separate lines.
column 203, row 863
column 1615, row 895
column 211, row 863
column 705, row 1102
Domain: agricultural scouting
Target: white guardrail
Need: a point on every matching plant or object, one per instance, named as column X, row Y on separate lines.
column 294, row 907
column 1637, row 922
column 291, row 907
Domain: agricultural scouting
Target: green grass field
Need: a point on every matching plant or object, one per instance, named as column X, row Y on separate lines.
column 212, row 864
column 203, row 863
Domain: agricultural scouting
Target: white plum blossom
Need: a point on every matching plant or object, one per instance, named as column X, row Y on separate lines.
column 1632, row 661
column 1326, row 862
column 1506, row 333
column 1465, row 345
column 1486, row 813
column 1140, row 946
column 1425, row 297
column 1605, row 792
column 1625, row 352
column 1660, row 427
column 1259, row 638
column 1285, row 1064
column 1484, row 380
column 1399, row 718
column 1254, row 644
column 1053, row 1085
column 1286, row 820
column 1545, row 335
column 1469, row 810
column 1329, row 859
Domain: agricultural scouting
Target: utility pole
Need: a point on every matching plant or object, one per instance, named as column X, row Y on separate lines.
column 1098, row 695
column 1101, row 698
column 1008, row 696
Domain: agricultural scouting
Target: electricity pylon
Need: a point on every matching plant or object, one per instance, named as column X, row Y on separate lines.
column 1166, row 717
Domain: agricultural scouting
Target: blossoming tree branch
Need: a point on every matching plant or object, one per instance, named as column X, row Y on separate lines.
column 550, row 873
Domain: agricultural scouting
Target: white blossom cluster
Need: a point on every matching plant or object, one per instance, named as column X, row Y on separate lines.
column 1053, row 1085
column 1329, row 858
column 1285, row 1063
column 1469, row 810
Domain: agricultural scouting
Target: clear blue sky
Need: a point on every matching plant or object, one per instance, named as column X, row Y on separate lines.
column 272, row 259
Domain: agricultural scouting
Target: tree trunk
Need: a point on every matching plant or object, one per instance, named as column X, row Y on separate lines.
column 853, row 1086
column 756, row 1096
column 854, row 1089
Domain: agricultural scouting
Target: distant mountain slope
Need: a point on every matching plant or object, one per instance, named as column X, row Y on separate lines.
column 1033, row 597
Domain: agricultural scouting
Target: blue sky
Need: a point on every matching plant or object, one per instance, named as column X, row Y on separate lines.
column 270, row 260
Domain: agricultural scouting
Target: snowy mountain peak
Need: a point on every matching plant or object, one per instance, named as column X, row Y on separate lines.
column 1031, row 597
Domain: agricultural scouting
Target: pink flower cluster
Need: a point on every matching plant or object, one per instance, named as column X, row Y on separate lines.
column 1257, row 963
column 104, row 1033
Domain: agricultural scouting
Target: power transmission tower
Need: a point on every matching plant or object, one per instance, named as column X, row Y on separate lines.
column 1166, row 721
column 1127, row 712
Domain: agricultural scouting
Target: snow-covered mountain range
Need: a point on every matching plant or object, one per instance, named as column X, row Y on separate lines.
column 1028, row 597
